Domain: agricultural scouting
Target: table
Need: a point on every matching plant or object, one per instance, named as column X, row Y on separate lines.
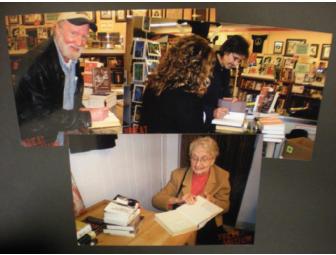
column 150, row 232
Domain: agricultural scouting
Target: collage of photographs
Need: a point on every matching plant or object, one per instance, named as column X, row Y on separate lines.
column 167, row 116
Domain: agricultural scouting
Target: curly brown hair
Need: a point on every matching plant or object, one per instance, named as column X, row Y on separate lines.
column 187, row 64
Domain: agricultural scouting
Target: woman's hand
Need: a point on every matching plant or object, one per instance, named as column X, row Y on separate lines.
column 189, row 198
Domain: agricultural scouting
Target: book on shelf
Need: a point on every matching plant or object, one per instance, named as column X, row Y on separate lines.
column 82, row 228
column 187, row 217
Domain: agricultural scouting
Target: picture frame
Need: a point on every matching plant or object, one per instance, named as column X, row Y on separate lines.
column 106, row 15
column 120, row 16
column 139, row 72
column 325, row 51
column 174, row 13
column 278, row 47
column 137, row 113
column 313, row 50
column 151, row 66
column 32, row 19
column 139, row 12
column 13, row 20
column 199, row 14
column 290, row 46
column 146, row 23
column 139, row 48
column 50, row 18
column 153, row 49
column 138, row 93
column 156, row 13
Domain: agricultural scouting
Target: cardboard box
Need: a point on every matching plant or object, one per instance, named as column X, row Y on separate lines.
column 298, row 148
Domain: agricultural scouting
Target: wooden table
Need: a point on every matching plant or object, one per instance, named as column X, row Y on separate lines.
column 150, row 232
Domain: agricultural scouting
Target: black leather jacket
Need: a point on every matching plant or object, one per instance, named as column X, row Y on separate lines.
column 39, row 95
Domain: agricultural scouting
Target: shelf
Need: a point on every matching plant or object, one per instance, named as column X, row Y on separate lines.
column 85, row 52
column 305, row 97
column 103, row 51
column 258, row 77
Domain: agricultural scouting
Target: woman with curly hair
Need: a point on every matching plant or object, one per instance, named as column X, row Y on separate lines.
column 173, row 99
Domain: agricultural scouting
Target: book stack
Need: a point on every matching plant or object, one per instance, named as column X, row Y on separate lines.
column 98, row 100
column 122, row 217
column 273, row 129
column 85, row 234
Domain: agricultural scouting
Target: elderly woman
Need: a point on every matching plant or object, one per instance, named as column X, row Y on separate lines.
column 203, row 178
column 173, row 99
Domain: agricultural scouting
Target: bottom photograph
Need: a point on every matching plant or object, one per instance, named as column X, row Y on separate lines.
column 165, row 189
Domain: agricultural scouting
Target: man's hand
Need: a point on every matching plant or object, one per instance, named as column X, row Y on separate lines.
column 220, row 112
column 97, row 114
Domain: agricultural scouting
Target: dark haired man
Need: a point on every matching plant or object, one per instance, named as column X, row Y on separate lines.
column 232, row 52
column 49, row 87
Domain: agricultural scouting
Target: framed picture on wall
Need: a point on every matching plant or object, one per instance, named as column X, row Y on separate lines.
column 120, row 15
column 278, row 47
column 138, row 93
column 156, row 13
column 139, row 48
column 325, row 51
column 138, row 72
column 106, row 15
column 51, row 17
column 139, row 12
column 32, row 19
column 13, row 20
column 313, row 50
column 291, row 46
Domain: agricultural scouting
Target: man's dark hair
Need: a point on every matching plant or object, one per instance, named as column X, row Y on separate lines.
column 235, row 44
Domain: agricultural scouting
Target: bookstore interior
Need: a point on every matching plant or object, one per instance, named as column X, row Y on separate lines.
column 280, row 84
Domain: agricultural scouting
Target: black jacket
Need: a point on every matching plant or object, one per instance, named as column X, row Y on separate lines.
column 39, row 95
column 219, row 88
column 174, row 111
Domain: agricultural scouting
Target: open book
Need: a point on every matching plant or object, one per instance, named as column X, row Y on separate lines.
column 187, row 217
column 236, row 115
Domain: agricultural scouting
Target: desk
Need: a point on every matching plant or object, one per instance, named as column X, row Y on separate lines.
column 150, row 232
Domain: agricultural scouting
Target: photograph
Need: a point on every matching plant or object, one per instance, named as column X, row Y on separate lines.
column 151, row 66
column 106, row 15
column 32, row 19
column 138, row 72
column 153, row 49
column 313, row 50
column 136, row 114
column 165, row 166
column 120, row 15
column 146, row 23
column 156, row 13
column 325, row 52
column 278, row 46
column 138, row 93
column 290, row 49
column 50, row 18
column 13, row 20
column 139, row 47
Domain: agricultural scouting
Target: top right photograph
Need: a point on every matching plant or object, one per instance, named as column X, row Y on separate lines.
column 234, row 78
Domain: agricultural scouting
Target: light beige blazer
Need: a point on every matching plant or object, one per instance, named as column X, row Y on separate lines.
column 217, row 186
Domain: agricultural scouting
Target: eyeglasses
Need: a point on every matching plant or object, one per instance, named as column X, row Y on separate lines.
column 201, row 160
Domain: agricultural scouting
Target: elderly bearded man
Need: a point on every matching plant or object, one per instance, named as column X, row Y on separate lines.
column 49, row 87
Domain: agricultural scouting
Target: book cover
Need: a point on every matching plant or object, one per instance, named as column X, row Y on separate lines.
column 187, row 217
column 101, row 79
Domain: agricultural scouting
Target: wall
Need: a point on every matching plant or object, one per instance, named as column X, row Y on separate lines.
column 134, row 167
